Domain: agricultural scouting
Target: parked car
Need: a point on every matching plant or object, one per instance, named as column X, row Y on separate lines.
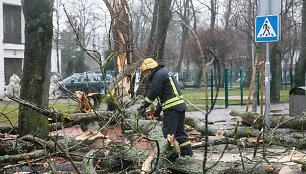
column 85, row 82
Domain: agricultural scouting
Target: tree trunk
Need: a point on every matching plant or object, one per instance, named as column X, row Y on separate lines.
column 164, row 17
column 161, row 19
column 152, row 38
column 299, row 75
column 185, row 18
column 36, row 71
column 213, row 14
column 159, row 27
column 276, row 81
column 256, row 120
column 122, row 35
column 284, row 141
column 255, row 85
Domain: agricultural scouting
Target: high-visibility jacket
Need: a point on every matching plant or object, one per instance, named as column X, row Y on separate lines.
column 166, row 89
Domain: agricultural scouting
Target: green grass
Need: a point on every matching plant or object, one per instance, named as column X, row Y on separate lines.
column 192, row 95
column 10, row 112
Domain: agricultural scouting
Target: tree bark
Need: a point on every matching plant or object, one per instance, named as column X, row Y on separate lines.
column 153, row 130
column 256, row 120
column 276, row 81
column 122, row 35
column 36, row 71
column 159, row 27
column 164, row 17
column 185, row 17
column 299, row 75
column 285, row 141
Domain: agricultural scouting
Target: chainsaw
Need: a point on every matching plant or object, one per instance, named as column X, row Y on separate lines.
column 149, row 115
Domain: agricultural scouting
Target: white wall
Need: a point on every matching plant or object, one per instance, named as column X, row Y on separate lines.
column 9, row 50
column 17, row 50
column 2, row 81
column 54, row 60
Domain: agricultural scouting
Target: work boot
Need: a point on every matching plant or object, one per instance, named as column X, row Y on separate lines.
column 186, row 151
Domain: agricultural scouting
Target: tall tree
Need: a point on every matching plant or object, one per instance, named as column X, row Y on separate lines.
column 184, row 12
column 68, row 39
column 276, row 81
column 161, row 18
column 86, row 20
column 36, row 70
column 300, row 68
column 213, row 13
column 57, row 30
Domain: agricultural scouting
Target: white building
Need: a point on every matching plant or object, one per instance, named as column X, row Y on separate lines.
column 12, row 41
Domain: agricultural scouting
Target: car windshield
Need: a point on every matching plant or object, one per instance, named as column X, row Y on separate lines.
column 82, row 78
column 74, row 77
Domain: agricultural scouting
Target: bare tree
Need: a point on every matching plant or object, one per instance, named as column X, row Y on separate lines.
column 291, row 31
column 161, row 19
column 36, row 78
column 184, row 12
column 57, row 15
column 86, row 20
column 299, row 76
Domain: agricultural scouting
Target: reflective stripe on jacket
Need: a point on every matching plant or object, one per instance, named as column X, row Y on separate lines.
column 165, row 88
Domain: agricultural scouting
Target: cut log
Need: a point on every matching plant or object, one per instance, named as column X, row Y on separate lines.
column 284, row 141
column 256, row 120
column 199, row 125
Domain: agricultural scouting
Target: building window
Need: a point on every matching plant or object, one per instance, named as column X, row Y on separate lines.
column 11, row 24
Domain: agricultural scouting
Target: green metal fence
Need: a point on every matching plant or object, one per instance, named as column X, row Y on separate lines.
column 232, row 79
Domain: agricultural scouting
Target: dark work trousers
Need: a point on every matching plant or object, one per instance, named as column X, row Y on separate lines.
column 174, row 124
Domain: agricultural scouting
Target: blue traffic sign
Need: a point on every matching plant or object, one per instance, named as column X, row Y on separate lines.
column 267, row 28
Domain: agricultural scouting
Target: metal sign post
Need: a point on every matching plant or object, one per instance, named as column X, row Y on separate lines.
column 268, row 30
column 267, row 89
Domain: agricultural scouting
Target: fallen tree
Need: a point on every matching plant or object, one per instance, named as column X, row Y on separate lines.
column 294, row 140
column 256, row 120
column 166, row 156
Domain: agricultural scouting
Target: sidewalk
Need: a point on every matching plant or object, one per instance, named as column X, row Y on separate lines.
column 220, row 114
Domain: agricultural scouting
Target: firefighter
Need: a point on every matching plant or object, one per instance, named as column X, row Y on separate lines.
column 166, row 90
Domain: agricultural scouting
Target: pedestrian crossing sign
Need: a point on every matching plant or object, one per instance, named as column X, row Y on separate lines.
column 267, row 28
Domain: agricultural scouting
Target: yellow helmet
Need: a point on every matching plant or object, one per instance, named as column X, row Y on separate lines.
column 149, row 63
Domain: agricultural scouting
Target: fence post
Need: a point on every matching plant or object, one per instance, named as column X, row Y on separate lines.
column 291, row 78
column 226, row 87
column 212, row 86
column 231, row 79
column 241, row 85
column 105, row 86
column 285, row 74
column 257, row 88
